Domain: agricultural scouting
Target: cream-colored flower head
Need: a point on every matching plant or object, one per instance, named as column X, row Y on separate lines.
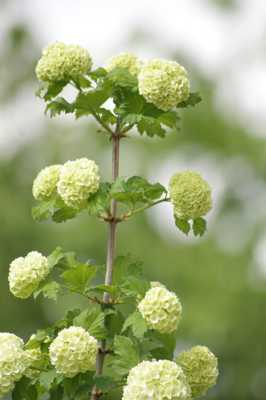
column 161, row 309
column 201, row 369
column 125, row 60
column 73, row 351
column 77, row 181
column 156, row 380
column 60, row 62
column 190, row 195
column 44, row 185
column 26, row 273
column 12, row 361
column 164, row 83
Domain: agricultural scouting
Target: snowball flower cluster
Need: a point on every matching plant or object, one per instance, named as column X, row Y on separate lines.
column 156, row 380
column 200, row 367
column 12, row 361
column 164, row 83
column 78, row 180
column 61, row 62
column 190, row 195
column 73, row 351
column 26, row 273
column 125, row 60
column 161, row 309
column 44, row 185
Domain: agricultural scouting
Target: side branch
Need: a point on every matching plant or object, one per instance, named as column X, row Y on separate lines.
column 129, row 214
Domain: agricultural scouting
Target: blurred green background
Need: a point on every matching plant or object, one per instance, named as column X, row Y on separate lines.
column 221, row 278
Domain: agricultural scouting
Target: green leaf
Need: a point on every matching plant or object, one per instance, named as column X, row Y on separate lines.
column 107, row 116
column 193, row 100
column 199, row 226
column 92, row 320
column 99, row 203
column 136, row 323
column 136, row 189
column 113, row 290
column 63, row 214
column 98, row 73
column 87, row 103
column 81, row 82
column 182, row 224
column 43, row 210
column 151, row 126
column 77, row 278
column 58, row 106
column 120, row 77
column 126, row 355
column 169, row 119
column 164, row 345
column 47, row 379
column 104, row 382
column 55, row 257
column 48, row 91
column 49, row 290
column 24, row 390
column 124, row 267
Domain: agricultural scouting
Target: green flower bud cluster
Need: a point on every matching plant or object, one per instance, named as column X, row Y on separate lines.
column 125, row 60
column 161, row 309
column 12, row 361
column 164, row 83
column 190, row 195
column 73, row 351
column 26, row 273
column 34, row 358
column 61, row 62
column 74, row 182
column 156, row 380
column 200, row 367
column 44, row 185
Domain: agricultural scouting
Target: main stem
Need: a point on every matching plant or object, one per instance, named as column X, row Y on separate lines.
column 110, row 253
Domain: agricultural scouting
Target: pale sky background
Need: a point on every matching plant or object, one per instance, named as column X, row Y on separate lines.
column 227, row 45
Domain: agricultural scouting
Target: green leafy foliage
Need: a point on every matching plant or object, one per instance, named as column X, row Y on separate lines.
column 137, row 324
column 92, row 319
column 183, row 225
column 59, row 106
column 136, row 190
column 91, row 101
column 192, row 101
column 99, row 203
column 48, row 91
column 126, row 355
column 199, row 226
column 78, row 278
column 24, row 390
column 104, row 382
column 49, row 290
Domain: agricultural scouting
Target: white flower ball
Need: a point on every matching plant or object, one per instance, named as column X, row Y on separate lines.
column 77, row 181
column 156, row 380
column 161, row 309
column 44, row 185
column 73, row 351
column 164, row 83
column 26, row 273
column 60, row 61
column 12, row 361
column 125, row 60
